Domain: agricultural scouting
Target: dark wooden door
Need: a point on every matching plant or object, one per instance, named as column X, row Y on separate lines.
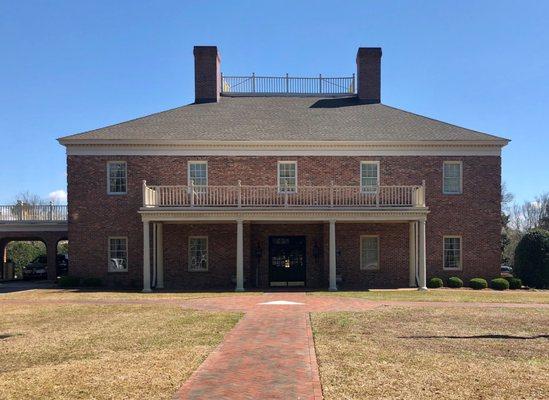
column 287, row 260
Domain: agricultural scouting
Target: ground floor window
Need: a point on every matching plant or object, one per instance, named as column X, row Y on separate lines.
column 118, row 254
column 452, row 252
column 198, row 253
column 369, row 252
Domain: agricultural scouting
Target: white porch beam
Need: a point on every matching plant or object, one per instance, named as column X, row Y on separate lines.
column 412, row 243
column 422, row 257
column 332, row 251
column 239, row 256
column 146, row 258
column 160, row 255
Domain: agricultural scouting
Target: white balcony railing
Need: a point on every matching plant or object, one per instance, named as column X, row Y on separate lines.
column 22, row 212
column 241, row 196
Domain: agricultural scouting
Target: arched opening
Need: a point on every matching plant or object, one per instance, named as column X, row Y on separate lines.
column 24, row 259
column 62, row 257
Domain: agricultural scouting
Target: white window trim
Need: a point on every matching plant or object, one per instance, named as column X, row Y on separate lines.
column 189, row 254
column 278, row 183
column 362, row 188
column 460, row 163
column 363, row 267
column 109, row 177
column 460, row 268
column 189, row 170
column 109, row 254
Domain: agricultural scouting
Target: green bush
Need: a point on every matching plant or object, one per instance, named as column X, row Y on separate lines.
column 434, row 283
column 91, row 282
column 478, row 283
column 455, row 282
column 68, row 281
column 499, row 284
column 532, row 259
column 514, row 283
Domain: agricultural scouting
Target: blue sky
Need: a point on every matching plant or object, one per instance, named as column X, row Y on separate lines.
column 71, row 66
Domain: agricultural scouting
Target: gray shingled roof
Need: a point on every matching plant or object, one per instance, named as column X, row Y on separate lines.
column 284, row 119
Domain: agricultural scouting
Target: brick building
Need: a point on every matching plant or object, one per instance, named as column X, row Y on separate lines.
column 282, row 181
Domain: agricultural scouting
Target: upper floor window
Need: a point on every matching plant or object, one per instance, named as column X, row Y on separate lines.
column 198, row 253
column 287, row 176
column 117, row 176
column 369, row 252
column 369, row 176
column 452, row 252
column 198, row 173
column 118, row 254
column 452, row 177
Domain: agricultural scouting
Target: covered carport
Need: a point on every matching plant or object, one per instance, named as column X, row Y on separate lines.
column 45, row 223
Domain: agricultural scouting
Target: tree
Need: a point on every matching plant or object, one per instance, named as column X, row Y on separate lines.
column 508, row 236
column 23, row 252
column 532, row 258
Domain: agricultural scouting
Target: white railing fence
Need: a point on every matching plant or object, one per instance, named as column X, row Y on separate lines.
column 287, row 84
column 242, row 196
column 33, row 212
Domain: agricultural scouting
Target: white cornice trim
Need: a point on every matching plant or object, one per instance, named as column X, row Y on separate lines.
column 285, row 215
column 275, row 148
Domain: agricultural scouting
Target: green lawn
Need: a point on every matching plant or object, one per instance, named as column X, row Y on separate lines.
column 75, row 351
column 434, row 353
column 450, row 295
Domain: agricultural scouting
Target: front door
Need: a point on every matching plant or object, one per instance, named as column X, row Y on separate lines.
column 287, row 260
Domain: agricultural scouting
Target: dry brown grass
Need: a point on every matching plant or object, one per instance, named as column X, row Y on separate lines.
column 434, row 353
column 450, row 295
column 103, row 351
column 87, row 295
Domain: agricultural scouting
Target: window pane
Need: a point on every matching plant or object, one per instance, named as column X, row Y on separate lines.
column 287, row 176
column 198, row 254
column 370, row 253
column 369, row 180
column 452, row 178
column 118, row 254
column 198, row 173
column 117, row 177
column 452, row 252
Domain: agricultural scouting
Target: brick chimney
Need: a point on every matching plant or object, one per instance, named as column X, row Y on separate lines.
column 368, row 71
column 207, row 74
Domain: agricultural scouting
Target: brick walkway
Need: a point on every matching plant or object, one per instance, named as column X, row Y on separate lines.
column 268, row 355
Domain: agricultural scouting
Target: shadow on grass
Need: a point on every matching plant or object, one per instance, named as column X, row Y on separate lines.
column 477, row 337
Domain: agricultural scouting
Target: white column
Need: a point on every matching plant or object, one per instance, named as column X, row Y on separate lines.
column 159, row 256
column 412, row 242
column 422, row 261
column 146, row 258
column 239, row 256
column 332, row 251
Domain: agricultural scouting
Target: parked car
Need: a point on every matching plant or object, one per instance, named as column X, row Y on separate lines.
column 62, row 262
column 506, row 270
column 36, row 269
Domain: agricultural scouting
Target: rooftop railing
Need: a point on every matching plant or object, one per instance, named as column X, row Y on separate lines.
column 22, row 212
column 287, row 85
column 241, row 196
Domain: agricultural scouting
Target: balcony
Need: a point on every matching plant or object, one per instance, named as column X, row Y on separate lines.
column 285, row 85
column 274, row 197
column 32, row 213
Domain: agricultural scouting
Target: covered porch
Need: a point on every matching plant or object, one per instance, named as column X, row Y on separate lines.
column 243, row 248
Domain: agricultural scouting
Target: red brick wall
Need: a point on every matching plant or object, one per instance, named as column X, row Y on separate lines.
column 94, row 215
column 393, row 255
